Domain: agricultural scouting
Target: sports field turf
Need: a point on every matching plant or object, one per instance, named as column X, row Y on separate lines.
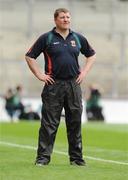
column 105, row 147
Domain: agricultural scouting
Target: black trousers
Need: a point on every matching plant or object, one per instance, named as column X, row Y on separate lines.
column 67, row 94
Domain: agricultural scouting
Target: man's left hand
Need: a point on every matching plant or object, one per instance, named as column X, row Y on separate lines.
column 80, row 77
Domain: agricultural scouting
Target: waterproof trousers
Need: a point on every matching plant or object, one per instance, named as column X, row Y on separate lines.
column 62, row 94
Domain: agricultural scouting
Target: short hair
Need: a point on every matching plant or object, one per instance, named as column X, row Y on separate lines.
column 59, row 10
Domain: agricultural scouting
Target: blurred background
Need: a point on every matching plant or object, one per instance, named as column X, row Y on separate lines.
column 104, row 23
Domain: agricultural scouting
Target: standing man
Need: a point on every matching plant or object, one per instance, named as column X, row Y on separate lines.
column 61, row 47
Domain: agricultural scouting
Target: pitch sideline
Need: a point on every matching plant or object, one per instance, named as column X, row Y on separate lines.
column 62, row 153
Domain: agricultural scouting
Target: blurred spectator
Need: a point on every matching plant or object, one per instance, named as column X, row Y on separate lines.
column 13, row 104
column 18, row 105
column 9, row 104
column 93, row 107
column 15, row 107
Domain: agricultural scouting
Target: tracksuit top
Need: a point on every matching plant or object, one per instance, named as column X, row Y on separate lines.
column 61, row 55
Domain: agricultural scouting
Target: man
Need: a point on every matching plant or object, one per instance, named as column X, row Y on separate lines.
column 62, row 77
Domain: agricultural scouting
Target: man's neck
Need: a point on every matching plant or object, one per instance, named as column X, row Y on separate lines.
column 64, row 33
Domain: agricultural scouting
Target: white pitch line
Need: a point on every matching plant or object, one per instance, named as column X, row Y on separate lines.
column 89, row 148
column 62, row 153
column 106, row 160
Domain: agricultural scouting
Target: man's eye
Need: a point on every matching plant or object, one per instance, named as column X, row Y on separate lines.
column 63, row 17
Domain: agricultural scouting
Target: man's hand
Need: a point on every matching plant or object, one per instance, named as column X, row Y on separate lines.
column 80, row 77
column 47, row 79
column 37, row 71
column 86, row 68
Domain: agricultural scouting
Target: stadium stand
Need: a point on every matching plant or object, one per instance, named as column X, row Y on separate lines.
column 103, row 22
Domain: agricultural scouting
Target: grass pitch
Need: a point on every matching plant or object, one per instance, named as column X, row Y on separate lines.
column 105, row 147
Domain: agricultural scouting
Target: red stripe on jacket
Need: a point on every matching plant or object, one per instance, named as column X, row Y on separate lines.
column 49, row 64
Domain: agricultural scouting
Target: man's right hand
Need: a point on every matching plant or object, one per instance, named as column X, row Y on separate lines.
column 47, row 79
column 37, row 71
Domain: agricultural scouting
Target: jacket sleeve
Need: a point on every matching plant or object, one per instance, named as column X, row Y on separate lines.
column 86, row 48
column 38, row 47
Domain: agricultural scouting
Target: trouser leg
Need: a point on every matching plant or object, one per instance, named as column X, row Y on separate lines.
column 51, row 112
column 73, row 112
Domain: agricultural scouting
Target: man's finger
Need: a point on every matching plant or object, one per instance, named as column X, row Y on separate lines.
column 77, row 80
column 50, row 80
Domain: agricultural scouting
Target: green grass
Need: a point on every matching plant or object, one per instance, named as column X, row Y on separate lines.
column 105, row 141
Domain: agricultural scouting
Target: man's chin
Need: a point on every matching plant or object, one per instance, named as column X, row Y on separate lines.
column 65, row 28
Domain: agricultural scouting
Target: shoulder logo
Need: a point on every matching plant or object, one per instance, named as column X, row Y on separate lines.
column 73, row 43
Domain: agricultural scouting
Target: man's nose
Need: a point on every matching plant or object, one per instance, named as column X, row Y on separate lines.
column 65, row 19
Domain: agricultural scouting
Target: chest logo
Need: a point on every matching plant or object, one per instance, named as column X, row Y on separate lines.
column 73, row 43
column 56, row 42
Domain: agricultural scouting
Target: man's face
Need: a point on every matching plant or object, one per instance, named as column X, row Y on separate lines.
column 63, row 21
